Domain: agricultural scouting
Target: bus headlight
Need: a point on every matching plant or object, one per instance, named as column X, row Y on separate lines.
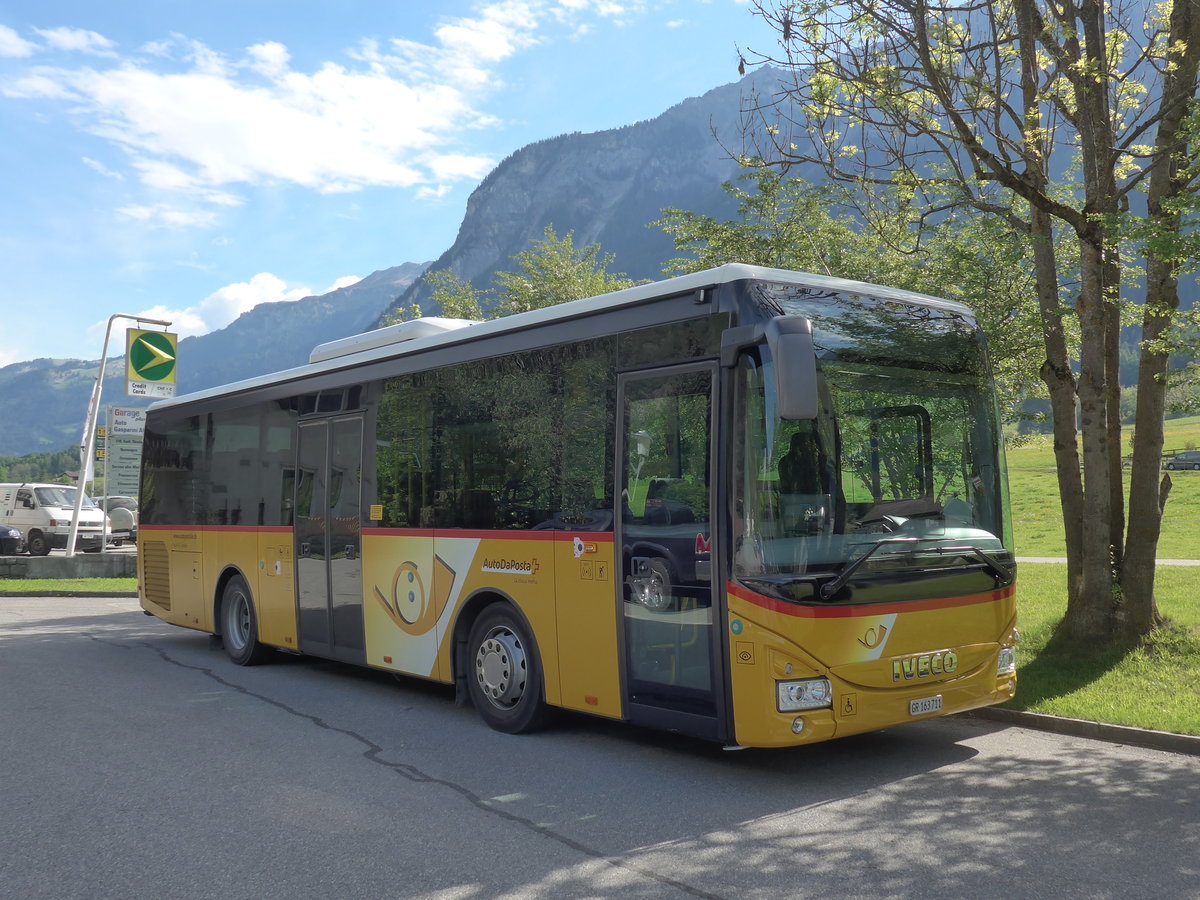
column 1006, row 662
column 811, row 693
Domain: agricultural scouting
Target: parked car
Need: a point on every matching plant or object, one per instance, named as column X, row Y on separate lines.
column 1188, row 459
column 43, row 513
column 11, row 541
column 123, row 514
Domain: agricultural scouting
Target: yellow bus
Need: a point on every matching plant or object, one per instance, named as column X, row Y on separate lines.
column 749, row 505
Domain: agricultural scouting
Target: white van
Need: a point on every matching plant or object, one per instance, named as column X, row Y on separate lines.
column 43, row 514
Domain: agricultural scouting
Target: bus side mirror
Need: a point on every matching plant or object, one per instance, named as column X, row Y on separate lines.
column 790, row 341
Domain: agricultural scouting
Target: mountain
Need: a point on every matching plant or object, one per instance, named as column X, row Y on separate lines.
column 606, row 187
column 276, row 336
column 45, row 401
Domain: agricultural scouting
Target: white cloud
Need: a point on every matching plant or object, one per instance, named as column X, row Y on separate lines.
column 458, row 166
column 38, row 84
column 12, row 44
column 198, row 123
column 101, row 168
column 78, row 40
column 344, row 281
column 333, row 129
column 269, row 59
column 164, row 214
column 434, row 193
column 221, row 307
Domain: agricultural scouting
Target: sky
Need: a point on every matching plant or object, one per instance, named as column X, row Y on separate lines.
column 187, row 161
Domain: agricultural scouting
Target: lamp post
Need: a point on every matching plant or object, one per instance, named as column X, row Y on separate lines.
column 89, row 429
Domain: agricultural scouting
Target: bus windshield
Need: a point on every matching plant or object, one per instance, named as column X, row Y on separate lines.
column 897, row 483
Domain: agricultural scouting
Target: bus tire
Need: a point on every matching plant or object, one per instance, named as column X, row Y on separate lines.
column 239, row 625
column 658, row 594
column 504, row 674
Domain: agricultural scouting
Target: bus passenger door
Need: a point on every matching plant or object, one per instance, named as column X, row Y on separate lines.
column 665, row 479
column 328, row 530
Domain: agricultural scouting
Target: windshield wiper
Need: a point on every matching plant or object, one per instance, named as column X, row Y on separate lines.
column 832, row 587
column 1003, row 574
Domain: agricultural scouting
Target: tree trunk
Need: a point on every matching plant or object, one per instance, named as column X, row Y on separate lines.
column 1146, row 498
column 1056, row 373
column 1056, row 369
column 1090, row 616
column 1112, row 368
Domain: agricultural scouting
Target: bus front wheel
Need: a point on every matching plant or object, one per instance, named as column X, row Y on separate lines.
column 239, row 626
column 505, row 675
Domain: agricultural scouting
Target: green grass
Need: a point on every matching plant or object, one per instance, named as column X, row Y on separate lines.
column 75, row 585
column 1154, row 684
column 1037, row 515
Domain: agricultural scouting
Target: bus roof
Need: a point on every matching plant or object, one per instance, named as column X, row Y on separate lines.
column 418, row 335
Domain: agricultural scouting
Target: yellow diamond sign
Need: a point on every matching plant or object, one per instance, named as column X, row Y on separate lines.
column 150, row 363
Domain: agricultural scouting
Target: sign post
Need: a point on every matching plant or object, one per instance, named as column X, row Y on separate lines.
column 89, row 428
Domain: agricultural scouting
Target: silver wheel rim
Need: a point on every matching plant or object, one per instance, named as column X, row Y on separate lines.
column 657, row 595
column 238, row 621
column 501, row 668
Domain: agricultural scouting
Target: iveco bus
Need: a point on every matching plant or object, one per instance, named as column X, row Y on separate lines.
column 751, row 505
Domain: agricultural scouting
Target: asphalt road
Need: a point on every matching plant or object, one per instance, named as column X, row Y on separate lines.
column 135, row 761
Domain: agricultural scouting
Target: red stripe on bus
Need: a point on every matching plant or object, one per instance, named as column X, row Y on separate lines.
column 865, row 609
column 252, row 529
column 600, row 537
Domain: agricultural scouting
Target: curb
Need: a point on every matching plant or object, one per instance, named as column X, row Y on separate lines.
column 1099, row 731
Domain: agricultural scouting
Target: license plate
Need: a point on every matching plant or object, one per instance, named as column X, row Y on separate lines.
column 925, row 705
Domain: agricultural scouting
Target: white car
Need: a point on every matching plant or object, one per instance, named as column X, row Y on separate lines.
column 43, row 513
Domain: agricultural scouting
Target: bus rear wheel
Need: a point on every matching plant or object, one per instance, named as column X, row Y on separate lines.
column 239, row 625
column 504, row 675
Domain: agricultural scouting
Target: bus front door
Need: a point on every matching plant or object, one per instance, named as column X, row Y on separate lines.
column 665, row 479
column 329, row 539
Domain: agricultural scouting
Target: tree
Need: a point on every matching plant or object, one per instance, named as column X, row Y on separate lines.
column 941, row 105
column 554, row 271
column 783, row 222
column 789, row 223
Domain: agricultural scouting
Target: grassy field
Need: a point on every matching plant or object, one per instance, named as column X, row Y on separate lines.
column 1037, row 515
column 1155, row 684
column 1152, row 685
column 74, row 585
